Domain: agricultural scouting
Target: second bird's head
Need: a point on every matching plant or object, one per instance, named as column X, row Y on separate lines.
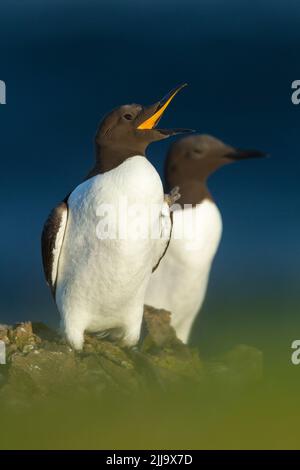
column 195, row 158
column 128, row 130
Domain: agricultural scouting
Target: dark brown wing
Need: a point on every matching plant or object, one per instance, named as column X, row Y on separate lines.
column 167, row 243
column 52, row 241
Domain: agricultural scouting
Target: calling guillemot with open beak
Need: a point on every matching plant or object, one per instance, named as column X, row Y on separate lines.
column 99, row 283
column 179, row 284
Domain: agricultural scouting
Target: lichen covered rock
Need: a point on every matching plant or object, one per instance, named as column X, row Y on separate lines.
column 41, row 364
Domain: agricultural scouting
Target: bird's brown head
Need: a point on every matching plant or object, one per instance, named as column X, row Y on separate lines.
column 191, row 160
column 128, row 130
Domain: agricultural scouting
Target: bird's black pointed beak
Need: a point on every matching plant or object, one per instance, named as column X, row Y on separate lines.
column 152, row 114
column 243, row 154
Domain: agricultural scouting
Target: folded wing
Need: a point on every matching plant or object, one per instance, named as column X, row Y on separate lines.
column 52, row 242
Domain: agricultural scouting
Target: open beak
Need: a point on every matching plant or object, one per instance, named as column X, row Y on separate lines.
column 154, row 113
column 239, row 154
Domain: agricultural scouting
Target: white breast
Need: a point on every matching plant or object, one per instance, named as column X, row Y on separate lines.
column 101, row 282
column 179, row 284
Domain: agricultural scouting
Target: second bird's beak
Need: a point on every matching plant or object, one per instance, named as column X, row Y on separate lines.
column 240, row 154
column 151, row 115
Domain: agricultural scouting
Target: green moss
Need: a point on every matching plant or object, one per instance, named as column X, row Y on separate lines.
column 41, row 364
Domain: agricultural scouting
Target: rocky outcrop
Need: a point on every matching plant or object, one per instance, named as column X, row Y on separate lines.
column 40, row 363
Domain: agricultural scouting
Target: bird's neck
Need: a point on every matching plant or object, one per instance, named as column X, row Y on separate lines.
column 192, row 192
column 110, row 157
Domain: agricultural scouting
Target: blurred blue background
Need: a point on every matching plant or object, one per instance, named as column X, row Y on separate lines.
column 66, row 63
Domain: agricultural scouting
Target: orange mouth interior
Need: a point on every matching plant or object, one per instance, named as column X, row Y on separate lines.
column 151, row 122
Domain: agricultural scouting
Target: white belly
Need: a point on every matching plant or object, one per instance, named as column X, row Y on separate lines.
column 179, row 284
column 101, row 283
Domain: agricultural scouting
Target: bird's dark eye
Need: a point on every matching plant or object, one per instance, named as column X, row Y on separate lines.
column 129, row 117
column 196, row 154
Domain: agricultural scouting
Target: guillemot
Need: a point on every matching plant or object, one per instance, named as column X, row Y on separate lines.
column 180, row 282
column 99, row 282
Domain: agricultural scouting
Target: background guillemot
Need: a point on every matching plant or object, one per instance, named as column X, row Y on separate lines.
column 99, row 284
column 180, row 282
